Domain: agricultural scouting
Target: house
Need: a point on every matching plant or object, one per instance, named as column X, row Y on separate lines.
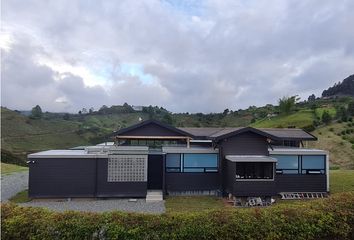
column 150, row 155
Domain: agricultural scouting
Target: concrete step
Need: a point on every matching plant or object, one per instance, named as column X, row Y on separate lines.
column 154, row 195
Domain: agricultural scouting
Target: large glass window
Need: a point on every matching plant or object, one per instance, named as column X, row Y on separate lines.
column 192, row 162
column 173, row 162
column 200, row 163
column 254, row 170
column 287, row 164
column 313, row 164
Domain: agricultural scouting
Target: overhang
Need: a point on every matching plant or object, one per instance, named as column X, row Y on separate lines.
column 250, row 158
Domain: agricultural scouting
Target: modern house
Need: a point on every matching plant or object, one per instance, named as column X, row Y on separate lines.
column 151, row 155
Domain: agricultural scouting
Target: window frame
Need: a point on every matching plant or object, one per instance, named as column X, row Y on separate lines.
column 182, row 168
column 256, row 179
column 280, row 170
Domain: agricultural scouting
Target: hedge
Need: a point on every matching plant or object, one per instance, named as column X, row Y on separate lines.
column 331, row 218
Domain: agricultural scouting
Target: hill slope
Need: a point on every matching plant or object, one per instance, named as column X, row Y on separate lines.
column 346, row 87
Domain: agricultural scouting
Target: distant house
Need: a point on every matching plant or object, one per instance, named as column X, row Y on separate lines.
column 152, row 156
column 137, row 108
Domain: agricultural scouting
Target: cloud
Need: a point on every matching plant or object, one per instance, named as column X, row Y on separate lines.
column 196, row 56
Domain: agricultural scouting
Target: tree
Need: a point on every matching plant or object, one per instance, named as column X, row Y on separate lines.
column 91, row 110
column 226, row 111
column 311, row 98
column 66, row 116
column 351, row 109
column 326, row 117
column 36, row 112
column 286, row 104
column 84, row 111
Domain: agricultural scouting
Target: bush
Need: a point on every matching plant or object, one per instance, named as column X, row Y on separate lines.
column 309, row 128
column 331, row 218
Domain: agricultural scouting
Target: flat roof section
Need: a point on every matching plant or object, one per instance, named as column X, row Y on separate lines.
column 295, row 150
column 66, row 154
column 250, row 158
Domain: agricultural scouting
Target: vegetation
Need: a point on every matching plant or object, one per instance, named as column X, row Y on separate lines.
column 36, row 112
column 331, row 218
column 20, row 197
column 336, row 138
column 11, row 168
column 193, row 203
column 23, row 134
column 286, row 104
column 341, row 181
column 346, row 87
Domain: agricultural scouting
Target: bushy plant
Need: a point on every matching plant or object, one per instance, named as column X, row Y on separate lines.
column 331, row 218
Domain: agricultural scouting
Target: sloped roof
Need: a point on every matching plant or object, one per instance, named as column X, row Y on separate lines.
column 278, row 133
column 217, row 133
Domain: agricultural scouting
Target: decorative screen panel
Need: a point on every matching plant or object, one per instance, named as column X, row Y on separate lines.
column 127, row 168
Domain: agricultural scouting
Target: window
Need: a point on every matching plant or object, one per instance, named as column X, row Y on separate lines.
column 200, row 163
column 287, row 164
column 192, row 163
column 173, row 162
column 254, row 170
column 313, row 164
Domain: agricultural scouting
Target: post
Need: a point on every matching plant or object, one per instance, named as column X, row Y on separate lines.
column 188, row 143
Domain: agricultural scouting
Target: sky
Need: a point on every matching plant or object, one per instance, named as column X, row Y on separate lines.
column 187, row 56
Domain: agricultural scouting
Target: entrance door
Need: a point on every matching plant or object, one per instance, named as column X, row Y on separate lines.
column 155, row 171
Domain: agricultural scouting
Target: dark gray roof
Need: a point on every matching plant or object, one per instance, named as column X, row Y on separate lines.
column 279, row 133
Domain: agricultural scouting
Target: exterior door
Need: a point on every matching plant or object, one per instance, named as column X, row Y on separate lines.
column 155, row 171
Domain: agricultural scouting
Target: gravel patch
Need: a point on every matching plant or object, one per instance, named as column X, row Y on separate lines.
column 140, row 206
column 12, row 184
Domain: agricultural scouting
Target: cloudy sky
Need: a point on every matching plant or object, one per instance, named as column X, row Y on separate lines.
column 195, row 56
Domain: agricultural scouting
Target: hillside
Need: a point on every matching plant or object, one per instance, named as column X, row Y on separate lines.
column 22, row 134
column 344, row 88
column 338, row 139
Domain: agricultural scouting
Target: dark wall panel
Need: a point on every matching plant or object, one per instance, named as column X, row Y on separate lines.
column 301, row 183
column 247, row 143
column 254, row 188
column 192, row 181
column 62, row 177
column 151, row 130
column 117, row 189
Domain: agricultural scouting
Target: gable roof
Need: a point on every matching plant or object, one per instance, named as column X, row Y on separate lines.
column 147, row 122
column 216, row 133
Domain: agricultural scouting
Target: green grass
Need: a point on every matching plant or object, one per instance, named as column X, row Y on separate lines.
column 330, row 110
column 341, row 152
column 11, row 168
column 20, row 197
column 299, row 119
column 341, row 181
column 193, row 203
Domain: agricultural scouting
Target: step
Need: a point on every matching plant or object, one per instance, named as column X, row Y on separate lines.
column 154, row 196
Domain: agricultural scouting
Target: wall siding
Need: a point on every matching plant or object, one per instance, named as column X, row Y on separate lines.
column 192, row 181
column 62, row 177
column 247, row 143
column 151, row 130
column 117, row 189
column 301, row 183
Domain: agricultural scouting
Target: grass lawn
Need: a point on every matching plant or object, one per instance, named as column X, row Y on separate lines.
column 340, row 181
column 299, row 119
column 193, row 203
column 20, row 197
column 11, row 168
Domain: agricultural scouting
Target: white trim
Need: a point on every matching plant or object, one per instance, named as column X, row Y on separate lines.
column 250, row 158
column 327, row 170
column 66, row 154
column 189, row 150
column 296, row 151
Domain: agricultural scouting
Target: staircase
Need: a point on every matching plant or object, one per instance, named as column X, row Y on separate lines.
column 302, row 195
column 154, row 196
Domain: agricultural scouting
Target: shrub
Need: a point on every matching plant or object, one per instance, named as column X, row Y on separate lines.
column 331, row 129
column 331, row 218
column 309, row 128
